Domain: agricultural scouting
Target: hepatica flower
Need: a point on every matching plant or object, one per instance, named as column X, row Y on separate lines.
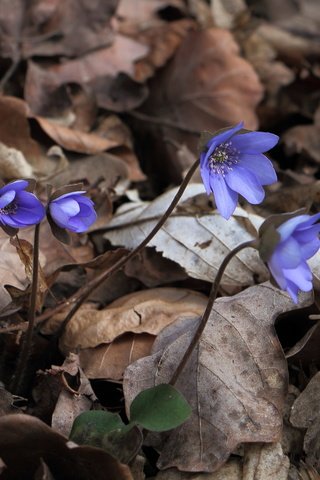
column 73, row 211
column 18, row 207
column 299, row 241
column 233, row 163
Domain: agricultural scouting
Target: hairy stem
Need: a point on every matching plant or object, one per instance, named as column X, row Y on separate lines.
column 205, row 317
column 24, row 355
column 91, row 286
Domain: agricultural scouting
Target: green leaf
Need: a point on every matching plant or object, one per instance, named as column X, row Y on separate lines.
column 106, row 430
column 160, row 408
column 89, row 426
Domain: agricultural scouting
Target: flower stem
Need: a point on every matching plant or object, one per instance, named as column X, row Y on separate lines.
column 24, row 355
column 93, row 284
column 205, row 317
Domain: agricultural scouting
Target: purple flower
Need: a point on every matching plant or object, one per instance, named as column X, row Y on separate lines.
column 19, row 208
column 233, row 163
column 299, row 241
column 73, row 211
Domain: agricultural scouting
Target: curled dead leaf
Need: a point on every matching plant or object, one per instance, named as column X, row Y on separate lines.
column 148, row 311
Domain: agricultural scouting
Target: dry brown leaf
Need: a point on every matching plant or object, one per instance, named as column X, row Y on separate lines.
column 66, row 28
column 109, row 361
column 15, row 112
column 25, row 252
column 12, row 270
column 260, row 462
column 235, row 381
column 148, row 311
column 265, row 462
column 232, row 470
column 226, row 14
column 13, row 163
column 72, row 400
column 207, row 86
column 303, row 140
column 163, row 40
column 75, row 140
column 197, row 241
column 25, row 441
column 104, row 170
column 105, row 63
column 305, row 414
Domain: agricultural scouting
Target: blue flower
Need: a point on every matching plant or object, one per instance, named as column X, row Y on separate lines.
column 299, row 241
column 19, row 208
column 233, row 163
column 73, row 211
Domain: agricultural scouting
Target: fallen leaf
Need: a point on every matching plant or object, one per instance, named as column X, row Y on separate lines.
column 109, row 361
column 265, row 462
column 305, row 414
column 25, row 441
column 207, row 86
column 147, row 311
column 75, row 140
column 74, row 399
column 11, row 270
column 15, row 112
column 66, row 28
column 197, row 241
column 42, row 84
column 104, row 170
column 232, row 470
column 226, row 14
column 235, row 381
column 13, row 163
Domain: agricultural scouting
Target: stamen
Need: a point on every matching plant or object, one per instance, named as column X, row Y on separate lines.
column 9, row 209
column 223, row 158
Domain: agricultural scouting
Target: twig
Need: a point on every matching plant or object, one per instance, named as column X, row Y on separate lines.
column 205, row 317
column 27, row 341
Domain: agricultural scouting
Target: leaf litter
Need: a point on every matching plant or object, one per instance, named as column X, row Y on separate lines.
column 115, row 94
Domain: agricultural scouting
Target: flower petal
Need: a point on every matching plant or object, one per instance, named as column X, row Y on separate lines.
column 7, row 198
column 246, row 183
column 225, row 198
column 288, row 254
column 69, row 206
column 308, row 234
column 260, row 166
column 300, row 276
column 222, row 137
column 25, row 216
column 255, row 142
column 58, row 215
column 287, row 228
column 309, row 249
column 16, row 186
column 293, row 291
column 277, row 272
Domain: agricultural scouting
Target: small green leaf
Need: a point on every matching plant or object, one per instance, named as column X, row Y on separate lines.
column 160, row 408
column 106, row 430
column 89, row 427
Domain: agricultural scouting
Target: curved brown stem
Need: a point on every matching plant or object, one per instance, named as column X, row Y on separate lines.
column 205, row 317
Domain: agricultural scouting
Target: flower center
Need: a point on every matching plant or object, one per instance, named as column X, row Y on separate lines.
column 9, row 209
column 223, row 158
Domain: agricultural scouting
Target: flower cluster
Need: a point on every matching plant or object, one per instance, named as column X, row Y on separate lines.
column 233, row 163
column 298, row 240
column 20, row 208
